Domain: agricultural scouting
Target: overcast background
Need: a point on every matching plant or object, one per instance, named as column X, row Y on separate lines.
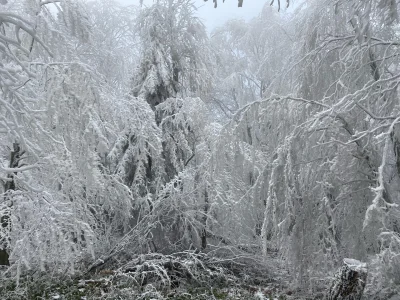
column 213, row 17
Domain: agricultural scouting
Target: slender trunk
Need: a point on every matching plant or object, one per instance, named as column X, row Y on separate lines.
column 15, row 158
column 204, row 221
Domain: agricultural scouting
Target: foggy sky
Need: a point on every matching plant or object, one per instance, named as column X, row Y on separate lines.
column 213, row 17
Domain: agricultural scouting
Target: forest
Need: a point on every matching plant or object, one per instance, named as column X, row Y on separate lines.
column 144, row 157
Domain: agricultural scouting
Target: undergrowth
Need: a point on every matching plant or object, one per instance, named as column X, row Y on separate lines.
column 182, row 276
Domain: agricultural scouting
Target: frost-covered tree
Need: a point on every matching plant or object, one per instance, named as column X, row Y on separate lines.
column 184, row 200
column 27, row 148
column 158, row 137
column 344, row 100
column 327, row 141
column 173, row 64
column 154, row 80
column 58, row 201
column 136, row 154
column 175, row 59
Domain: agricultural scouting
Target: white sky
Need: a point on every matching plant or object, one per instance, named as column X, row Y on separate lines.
column 213, row 17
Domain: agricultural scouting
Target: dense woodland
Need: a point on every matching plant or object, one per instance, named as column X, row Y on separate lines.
column 130, row 132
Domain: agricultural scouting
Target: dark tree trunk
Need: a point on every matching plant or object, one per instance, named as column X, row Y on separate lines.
column 349, row 282
column 15, row 158
column 204, row 221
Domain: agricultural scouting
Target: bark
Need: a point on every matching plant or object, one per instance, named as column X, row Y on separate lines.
column 204, row 221
column 15, row 158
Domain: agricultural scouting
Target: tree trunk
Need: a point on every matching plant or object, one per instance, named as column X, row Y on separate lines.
column 349, row 282
column 15, row 158
column 204, row 221
column 4, row 258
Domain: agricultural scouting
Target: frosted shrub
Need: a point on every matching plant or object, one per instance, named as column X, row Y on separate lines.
column 390, row 257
